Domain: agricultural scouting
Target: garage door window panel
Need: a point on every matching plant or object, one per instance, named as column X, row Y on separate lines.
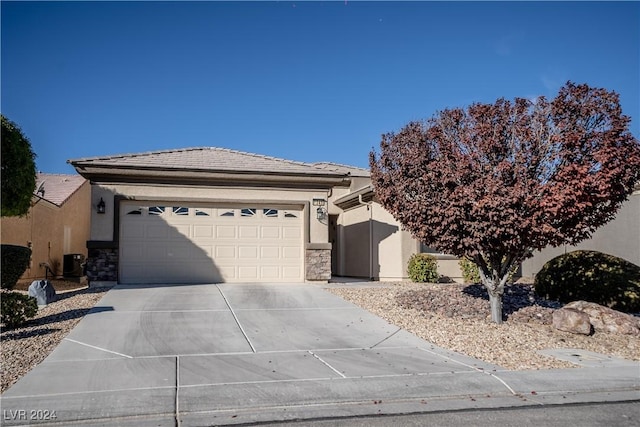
column 270, row 213
column 248, row 212
column 156, row 210
column 180, row 211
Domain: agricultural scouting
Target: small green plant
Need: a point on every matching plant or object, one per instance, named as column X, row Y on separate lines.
column 470, row 271
column 15, row 260
column 423, row 268
column 16, row 308
column 591, row 276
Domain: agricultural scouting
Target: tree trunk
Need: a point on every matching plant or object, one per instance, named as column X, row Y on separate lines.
column 496, row 307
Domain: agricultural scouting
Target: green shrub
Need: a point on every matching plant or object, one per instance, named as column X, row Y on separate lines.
column 423, row 268
column 591, row 276
column 471, row 272
column 15, row 260
column 16, row 308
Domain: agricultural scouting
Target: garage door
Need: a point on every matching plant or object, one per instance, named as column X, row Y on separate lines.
column 182, row 243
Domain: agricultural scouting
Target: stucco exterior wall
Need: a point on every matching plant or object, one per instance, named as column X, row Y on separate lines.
column 620, row 237
column 51, row 231
column 372, row 244
column 102, row 225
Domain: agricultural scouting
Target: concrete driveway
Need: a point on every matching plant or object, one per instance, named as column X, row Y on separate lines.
column 238, row 353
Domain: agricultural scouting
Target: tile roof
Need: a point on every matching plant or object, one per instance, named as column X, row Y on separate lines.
column 345, row 169
column 204, row 159
column 57, row 188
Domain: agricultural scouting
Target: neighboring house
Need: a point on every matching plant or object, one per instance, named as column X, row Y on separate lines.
column 56, row 228
column 218, row 215
column 620, row 237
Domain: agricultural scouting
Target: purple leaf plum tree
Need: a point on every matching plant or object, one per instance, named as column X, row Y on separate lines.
column 494, row 182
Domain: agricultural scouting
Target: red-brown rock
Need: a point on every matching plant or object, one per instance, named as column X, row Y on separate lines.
column 572, row 320
column 605, row 319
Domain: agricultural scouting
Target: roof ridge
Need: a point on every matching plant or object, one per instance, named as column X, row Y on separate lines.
column 339, row 164
column 185, row 149
column 144, row 153
column 59, row 174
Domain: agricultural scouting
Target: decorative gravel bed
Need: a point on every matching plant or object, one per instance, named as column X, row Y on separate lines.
column 457, row 317
column 23, row 348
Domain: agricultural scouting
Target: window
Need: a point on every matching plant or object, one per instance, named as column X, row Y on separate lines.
column 248, row 212
column 270, row 213
column 135, row 212
column 228, row 212
column 156, row 210
column 200, row 212
column 179, row 210
column 290, row 215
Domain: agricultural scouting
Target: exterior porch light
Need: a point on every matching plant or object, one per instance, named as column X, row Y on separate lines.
column 321, row 213
column 101, row 206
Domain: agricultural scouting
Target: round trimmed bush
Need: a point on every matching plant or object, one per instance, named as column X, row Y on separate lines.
column 591, row 276
column 17, row 308
column 15, row 260
column 423, row 268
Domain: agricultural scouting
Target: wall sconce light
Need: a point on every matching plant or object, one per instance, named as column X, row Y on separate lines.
column 321, row 213
column 101, row 206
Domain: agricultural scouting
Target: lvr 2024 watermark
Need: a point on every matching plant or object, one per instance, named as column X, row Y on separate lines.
column 28, row 415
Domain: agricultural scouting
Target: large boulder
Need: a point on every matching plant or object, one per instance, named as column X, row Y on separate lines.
column 42, row 291
column 572, row 320
column 605, row 319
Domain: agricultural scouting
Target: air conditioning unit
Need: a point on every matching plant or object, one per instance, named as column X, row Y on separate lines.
column 73, row 265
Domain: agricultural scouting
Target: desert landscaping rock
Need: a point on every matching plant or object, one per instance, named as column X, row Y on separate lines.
column 457, row 317
column 606, row 319
column 43, row 292
column 23, row 348
column 572, row 320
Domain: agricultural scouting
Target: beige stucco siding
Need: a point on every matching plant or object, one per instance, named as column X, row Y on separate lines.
column 53, row 231
column 620, row 237
column 102, row 226
column 372, row 244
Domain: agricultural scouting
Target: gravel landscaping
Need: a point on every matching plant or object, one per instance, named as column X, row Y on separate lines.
column 457, row 317
column 23, row 348
column 449, row 315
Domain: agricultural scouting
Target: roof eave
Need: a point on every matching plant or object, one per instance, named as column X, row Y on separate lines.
column 209, row 177
column 353, row 199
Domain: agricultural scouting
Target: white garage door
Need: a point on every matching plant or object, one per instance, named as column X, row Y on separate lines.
column 172, row 243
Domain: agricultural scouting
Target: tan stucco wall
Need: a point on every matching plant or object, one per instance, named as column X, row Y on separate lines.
column 391, row 247
column 620, row 237
column 102, row 225
column 44, row 226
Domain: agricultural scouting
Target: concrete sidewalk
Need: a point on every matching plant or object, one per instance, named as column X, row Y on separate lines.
column 194, row 355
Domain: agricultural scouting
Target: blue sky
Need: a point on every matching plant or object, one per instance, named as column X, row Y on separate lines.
column 307, row 81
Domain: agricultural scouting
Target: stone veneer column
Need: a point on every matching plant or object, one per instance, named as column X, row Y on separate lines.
column 102, row 265
column 318, row 261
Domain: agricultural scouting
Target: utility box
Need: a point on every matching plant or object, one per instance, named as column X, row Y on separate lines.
column 73, row 265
